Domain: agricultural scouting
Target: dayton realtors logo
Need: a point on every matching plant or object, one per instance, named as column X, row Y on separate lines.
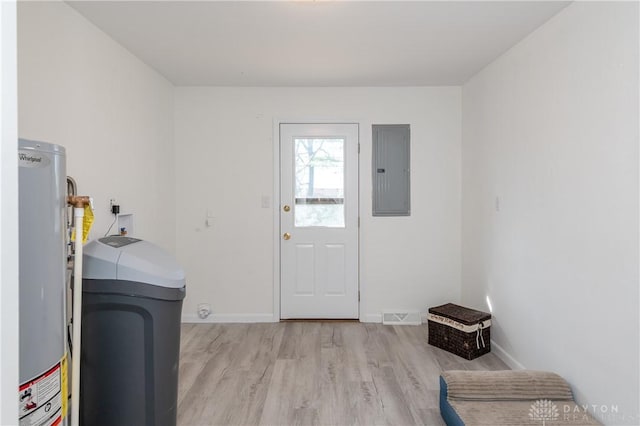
column 544, row 411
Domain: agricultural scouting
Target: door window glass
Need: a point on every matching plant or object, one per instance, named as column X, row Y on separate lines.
column 319, row 182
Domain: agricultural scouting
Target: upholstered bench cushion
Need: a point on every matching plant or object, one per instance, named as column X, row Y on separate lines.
column 506, row 385
column 476, row 398
column 518, row 413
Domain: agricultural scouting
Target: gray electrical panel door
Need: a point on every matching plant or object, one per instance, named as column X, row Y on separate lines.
column 391, row 189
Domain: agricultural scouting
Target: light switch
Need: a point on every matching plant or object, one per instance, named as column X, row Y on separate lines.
column 266, row 202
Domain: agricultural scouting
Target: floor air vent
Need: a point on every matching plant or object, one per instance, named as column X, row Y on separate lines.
column 401, row 318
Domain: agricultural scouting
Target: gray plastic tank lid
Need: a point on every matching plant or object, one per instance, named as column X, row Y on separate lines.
column 130, row 259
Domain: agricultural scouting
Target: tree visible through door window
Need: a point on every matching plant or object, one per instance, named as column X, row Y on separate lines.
column 319, row 182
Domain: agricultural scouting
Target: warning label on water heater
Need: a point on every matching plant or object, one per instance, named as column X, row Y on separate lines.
column 40, row 399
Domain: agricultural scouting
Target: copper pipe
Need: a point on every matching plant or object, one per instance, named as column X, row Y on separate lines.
column 78, row 201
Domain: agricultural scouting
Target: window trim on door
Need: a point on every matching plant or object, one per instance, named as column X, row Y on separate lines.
column 277, row 202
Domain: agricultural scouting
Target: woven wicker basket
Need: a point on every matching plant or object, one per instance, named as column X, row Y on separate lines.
column 459, row 330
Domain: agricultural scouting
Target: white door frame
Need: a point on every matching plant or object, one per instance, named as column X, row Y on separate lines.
column 9, row 300
column 277, row 202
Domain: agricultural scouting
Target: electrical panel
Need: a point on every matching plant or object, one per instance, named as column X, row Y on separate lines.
column 391, row 173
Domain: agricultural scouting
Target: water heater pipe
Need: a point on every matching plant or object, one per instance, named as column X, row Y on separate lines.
column 79, row 203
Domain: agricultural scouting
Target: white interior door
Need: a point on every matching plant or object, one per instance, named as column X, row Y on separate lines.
column 318, row 221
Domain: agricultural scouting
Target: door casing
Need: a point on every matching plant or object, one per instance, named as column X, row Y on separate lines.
column 277, row 202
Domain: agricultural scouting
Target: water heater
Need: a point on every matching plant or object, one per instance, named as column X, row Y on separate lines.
column 42, row 393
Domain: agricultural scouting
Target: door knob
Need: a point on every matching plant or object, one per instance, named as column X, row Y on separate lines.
column 286, row 208
column 286, row 236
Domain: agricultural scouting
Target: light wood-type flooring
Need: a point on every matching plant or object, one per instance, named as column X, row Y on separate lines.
column 313, row 373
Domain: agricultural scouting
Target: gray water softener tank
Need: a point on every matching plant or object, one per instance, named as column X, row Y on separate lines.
column 132, row 303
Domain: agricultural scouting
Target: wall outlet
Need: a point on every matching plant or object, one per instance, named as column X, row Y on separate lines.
column 204, row 310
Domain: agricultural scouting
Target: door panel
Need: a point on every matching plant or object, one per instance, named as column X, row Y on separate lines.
column 305, row 270
column 336, row 276
column 319, row 220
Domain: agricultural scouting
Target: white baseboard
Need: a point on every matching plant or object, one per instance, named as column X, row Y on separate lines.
column 378, row 317
column 505, row 356
column 229, row 318
column 249, row 318
column 371, row 318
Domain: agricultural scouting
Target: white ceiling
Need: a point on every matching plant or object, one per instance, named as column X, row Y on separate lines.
column 324, row 43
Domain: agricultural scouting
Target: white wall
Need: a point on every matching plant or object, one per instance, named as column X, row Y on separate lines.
column 551, row 128
column 80, row 89
column 224, row 153
column 8, row 215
